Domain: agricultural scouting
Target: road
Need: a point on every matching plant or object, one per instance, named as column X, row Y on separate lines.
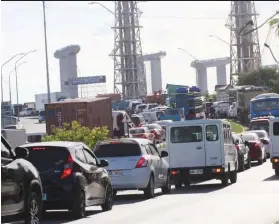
column 32, row 125
column 252, row 200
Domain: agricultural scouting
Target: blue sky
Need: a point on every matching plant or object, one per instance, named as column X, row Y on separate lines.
column 166, row 26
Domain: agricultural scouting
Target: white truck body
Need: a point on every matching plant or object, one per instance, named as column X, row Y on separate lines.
column 15, row 137
column 274, row 143
column 42, row 99
column 199, row 146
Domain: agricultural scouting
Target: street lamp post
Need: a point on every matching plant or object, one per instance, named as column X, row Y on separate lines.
column 2, row 73
column 10, row 89
column 46, row 53
column 16, row 76
column 98, row 3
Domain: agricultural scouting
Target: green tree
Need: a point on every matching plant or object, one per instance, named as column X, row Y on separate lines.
column 77, row 133
column 275, row 23
column 268, row 77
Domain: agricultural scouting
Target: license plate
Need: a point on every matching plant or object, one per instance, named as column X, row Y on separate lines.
column 116, row 173
column 44, row 196
column 197, row 171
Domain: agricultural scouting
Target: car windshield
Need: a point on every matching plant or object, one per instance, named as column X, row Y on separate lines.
column 248, row 138
column 46, row 158
column 137, row 131
column 117, row 150
column 263, row 125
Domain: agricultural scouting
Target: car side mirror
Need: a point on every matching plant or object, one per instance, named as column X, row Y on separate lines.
column 237, row 141
column 246, row 143
column 103, row 163
column 164, row 154
column 21, row 153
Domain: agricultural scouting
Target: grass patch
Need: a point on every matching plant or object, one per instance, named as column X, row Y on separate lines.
column 236, row 127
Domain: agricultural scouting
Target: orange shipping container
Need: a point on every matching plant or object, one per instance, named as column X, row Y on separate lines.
column 113, row 96
column 90, row 112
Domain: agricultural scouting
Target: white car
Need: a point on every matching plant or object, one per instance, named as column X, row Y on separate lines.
column 265, row 140
column 135, row 164
column 26, row 112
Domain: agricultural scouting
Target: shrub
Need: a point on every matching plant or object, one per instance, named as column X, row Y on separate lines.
column 76, row 133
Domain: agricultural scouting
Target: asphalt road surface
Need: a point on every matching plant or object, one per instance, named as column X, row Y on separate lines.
column 254, row 199
column 32, row 125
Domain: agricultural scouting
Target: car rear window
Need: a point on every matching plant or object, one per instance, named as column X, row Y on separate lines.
column 45, row 158
column 117, row 150
column 248, row 138
column 137, row 131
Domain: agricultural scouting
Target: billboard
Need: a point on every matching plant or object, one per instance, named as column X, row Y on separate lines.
column 87, row 80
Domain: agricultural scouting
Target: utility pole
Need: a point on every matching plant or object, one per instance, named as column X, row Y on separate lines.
column 46, row 53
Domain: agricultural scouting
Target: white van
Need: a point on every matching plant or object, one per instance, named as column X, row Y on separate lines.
column 274, row 141
column 201, row 150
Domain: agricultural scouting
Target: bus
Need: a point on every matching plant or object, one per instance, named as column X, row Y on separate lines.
column 266, row 104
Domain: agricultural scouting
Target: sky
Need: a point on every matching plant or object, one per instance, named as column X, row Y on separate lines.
column 166, row 27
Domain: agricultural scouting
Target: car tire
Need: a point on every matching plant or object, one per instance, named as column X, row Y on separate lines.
column 33, row 209
column 264, row 159
column 276, row 171
column 107, row 206
column 78, row 210
column 260, row 161
column 167, row 188
column 241, row 167
column 225, row 179
column 149, row 191
column 248, row 165
column 233, row 177
column 178, row 185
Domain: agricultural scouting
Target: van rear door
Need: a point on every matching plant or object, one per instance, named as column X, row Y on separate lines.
column 186, row 146
column 213, row 145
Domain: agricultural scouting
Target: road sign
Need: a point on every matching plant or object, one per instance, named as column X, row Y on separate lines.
column 87, row 80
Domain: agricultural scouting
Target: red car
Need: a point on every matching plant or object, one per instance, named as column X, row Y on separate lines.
column 157, row 130
column 257, row 149
column 142, row 132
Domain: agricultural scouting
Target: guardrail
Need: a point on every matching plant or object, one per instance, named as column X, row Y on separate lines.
column 8, row 120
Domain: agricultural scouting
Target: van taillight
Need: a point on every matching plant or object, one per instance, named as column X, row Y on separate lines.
column 142, row 163
column 68, row 167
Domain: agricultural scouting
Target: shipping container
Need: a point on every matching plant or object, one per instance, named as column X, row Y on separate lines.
column 157, row 98
column 89, row 112
column 113, row 96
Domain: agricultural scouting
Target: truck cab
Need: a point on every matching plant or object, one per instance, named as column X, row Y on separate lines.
column 274, row 139
column 260, row 123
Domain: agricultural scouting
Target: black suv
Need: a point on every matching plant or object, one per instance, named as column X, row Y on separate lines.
column 72, row 177
column 21, row 193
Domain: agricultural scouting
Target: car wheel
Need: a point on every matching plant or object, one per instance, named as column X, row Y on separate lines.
column 178, row 185
column 79, row 205
column 264, row 159
column 248, row 165
column 233, row 177
column 277, row 171
column 260, row 161
column 109, row 199
column 167, row 188
column 34, row 208
column 225, row 179
column 241, row 167
column 149, row 190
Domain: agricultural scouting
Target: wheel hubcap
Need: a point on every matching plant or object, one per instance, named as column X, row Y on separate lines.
column 34, row 209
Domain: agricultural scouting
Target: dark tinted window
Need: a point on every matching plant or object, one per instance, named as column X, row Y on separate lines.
column 263, row 125
column 5, row 153
column 34, row 138
column 186, row 134
column 42, row 113
column 137, row 131
column 45, row 158
column 117, row 150
column 276, row 128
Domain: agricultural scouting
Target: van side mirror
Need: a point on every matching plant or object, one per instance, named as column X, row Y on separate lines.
column 21, row 153
column 164, row 154
column 103, row 163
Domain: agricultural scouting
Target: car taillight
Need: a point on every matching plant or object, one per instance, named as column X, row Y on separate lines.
column 237, row 147
column 68, row 167
column 142, row 163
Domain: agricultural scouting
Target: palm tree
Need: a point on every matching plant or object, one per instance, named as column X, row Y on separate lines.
column 275, row 23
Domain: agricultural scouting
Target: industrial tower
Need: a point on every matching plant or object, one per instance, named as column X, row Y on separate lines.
column 129, row 75
column 244, row 49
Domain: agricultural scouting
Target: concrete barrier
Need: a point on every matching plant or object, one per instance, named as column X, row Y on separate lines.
column 8, row 120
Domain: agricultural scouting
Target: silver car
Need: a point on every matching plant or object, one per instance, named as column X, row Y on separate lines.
column 135, row 164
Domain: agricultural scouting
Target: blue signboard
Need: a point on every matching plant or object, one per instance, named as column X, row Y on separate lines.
column 87, row 80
